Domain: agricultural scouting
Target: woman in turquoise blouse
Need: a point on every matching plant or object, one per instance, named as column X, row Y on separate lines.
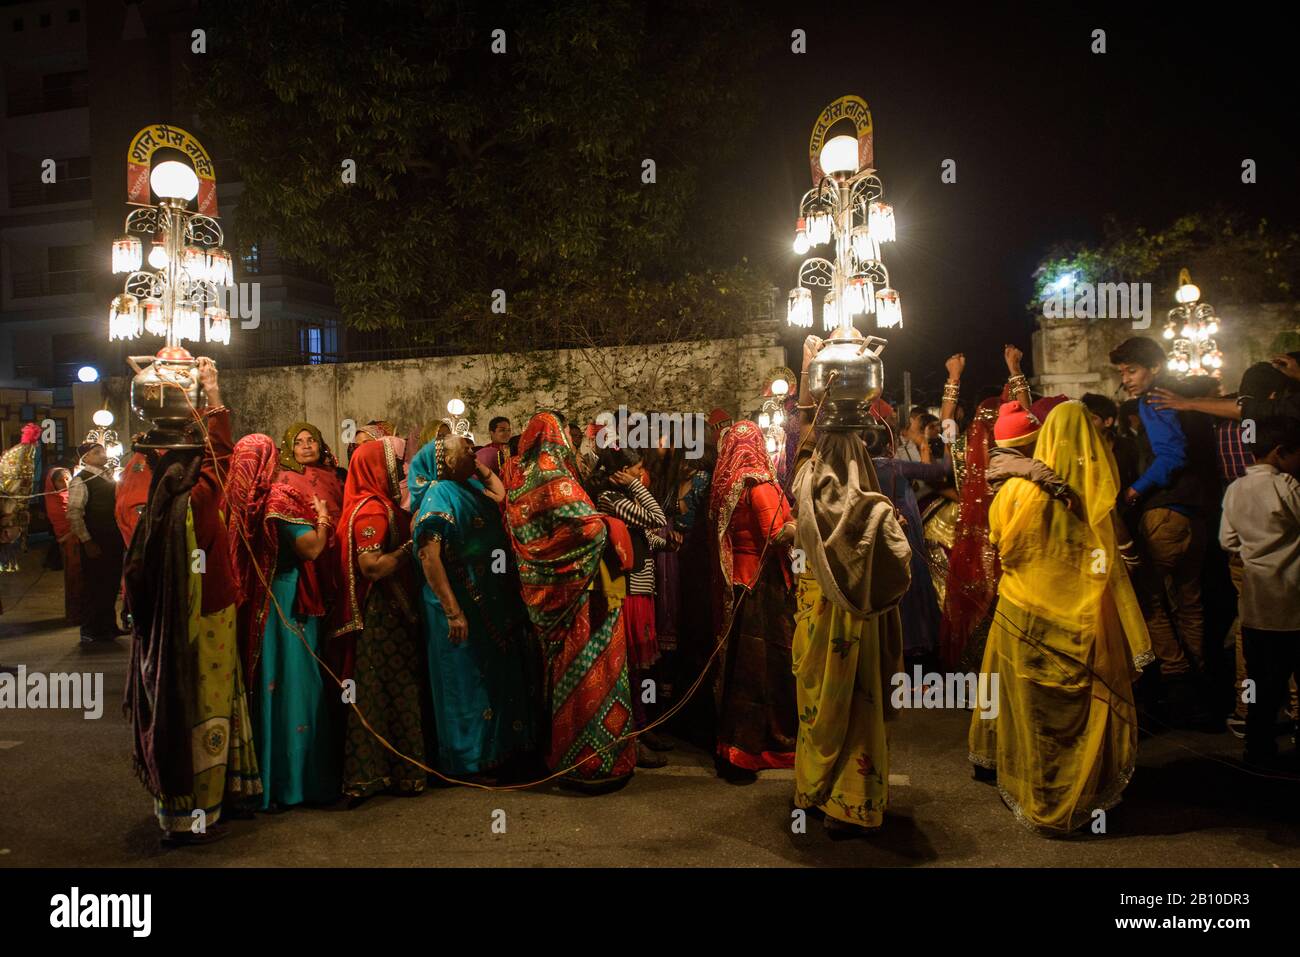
column 475, row 622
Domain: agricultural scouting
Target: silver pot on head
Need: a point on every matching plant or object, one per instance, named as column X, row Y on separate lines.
column 166, row 393
column 848, row 374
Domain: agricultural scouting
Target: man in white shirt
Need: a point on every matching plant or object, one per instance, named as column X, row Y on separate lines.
column 92, row 494
column 1261, row 523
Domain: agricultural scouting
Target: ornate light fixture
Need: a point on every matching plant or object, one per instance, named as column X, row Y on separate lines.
column 458, row 425
column 846, row 207
column 771, row 419
column 1191, row 326
column 175, row 290
column 103, row 434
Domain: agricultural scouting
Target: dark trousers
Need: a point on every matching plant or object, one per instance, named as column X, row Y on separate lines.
column 1272, row 657
column 101, row 580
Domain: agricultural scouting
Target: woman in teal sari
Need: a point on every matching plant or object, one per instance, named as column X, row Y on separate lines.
column 275, row 533
column 475, row 623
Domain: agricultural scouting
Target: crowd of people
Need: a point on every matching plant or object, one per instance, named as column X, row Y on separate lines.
column 550, row 606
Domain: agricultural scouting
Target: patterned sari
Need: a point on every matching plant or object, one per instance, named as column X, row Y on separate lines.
column 380, row 619
column 559, row 540
column 481, row 702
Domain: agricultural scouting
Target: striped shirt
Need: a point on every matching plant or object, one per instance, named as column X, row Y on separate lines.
column 637, row 507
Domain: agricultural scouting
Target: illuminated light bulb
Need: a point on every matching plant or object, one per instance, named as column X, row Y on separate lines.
column 1187, row 330
column 801, row 244
column 764, row 420
column 102, row 418
column 158, row 256
column 778, row 418
column 1169, row 332
column 1212, row 328
column 456, row 407
column 780, row 387
column 1187, row 293
column 88, row 374
column 220, row 271
column 799, row 308
column 127, row 254
column 174, row 180
column 114, row 451
column 840, row 156
column 771, row 446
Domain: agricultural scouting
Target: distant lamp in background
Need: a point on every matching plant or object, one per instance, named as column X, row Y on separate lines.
column 103, row 434
column 771, row 419
column 457, row 424
column 1191, row 325
column 88, row 374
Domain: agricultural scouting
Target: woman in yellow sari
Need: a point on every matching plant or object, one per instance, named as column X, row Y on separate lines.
column 1067, row 639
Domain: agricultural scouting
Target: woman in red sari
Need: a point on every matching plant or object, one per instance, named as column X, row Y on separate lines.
column 564, row 548
column 380, row 621
column 753, row 685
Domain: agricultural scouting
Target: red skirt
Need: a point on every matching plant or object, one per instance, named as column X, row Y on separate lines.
column 639, row 623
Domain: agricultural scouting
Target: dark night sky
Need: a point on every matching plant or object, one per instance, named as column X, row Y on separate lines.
column 1049, row 138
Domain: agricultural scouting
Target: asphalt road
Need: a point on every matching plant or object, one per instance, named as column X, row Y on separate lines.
column 68, row 798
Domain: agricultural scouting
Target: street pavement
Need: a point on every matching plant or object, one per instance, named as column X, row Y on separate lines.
column 68, row 797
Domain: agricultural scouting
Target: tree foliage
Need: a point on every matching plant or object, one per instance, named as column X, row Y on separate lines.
column 475, row 170
column 1232, row 260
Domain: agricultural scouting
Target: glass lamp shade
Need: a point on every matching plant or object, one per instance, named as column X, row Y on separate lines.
column 778, row 418
column 858, row 296
column 771, row 445
column 830, row 312
column 124, row 317
column 185, row 321
column 1187, row 293
column 764, row 420
column 780, row 387
column 456, row 407
column 195, row 261
column 220, row 272
column 216, row 325
column 1169, row 332
column 839, row 156
column 889, row 308
column 865, row 247
column 820, row 228
column 158, row 256
column 127, row 254
column 174, row 180
column 153, row 317
column 880, row 220
column 799, row 308
column 102, row 418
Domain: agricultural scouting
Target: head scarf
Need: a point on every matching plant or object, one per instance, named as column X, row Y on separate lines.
column 427, row 464
column 558, row 536
column 849, row 530
column 372, row 430
column 161, row 675
column 320, row 480
column 973, row 562
column 742, row 461
column 286, row 448
column 1070, row 562
column 373, row 491
column 255, row 505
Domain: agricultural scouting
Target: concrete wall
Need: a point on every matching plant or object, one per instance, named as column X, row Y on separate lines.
column 675, row 377
column 1071, row 355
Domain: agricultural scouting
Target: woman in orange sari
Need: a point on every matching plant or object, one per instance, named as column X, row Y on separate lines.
column 753, row 685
